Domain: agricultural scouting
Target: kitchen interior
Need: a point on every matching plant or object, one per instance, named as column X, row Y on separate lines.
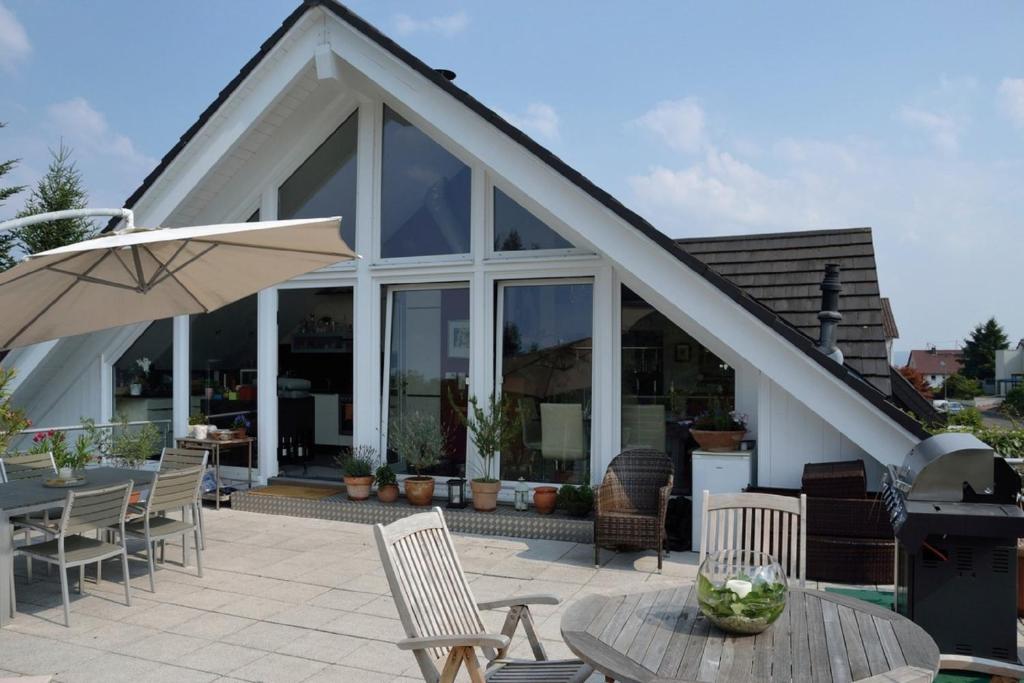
column 314, row 383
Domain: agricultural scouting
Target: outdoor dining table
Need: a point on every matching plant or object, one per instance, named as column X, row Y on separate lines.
column 30, row 495
column 661, row 636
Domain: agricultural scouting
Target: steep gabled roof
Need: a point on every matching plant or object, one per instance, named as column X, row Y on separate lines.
column 889, row 320
column 768, row 317
column 783, row 271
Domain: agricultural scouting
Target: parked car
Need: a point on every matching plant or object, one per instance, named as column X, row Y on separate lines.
column 951, row 407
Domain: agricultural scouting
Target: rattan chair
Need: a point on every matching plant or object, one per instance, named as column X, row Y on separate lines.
column 630, row 504
column 759, row 522
column 441, row 618
column 85, row 511
column 176, row 491
column 172, row 459
column 22, row 466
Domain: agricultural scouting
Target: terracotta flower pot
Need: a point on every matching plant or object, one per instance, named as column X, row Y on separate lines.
column 419, row 490
column 485, row 495
column 718, row 441
column 387, row 493
column 544, row 498
column 358, row 488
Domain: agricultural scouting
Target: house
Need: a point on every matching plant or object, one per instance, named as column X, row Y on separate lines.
column 489, row 265
column 1009, row 368
column 935, row 365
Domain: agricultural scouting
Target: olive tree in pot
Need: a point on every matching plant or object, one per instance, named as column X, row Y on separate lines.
column 492, row 428
column 358, row 466
column 420, row 439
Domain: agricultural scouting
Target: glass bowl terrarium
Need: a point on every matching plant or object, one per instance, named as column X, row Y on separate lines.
column 741, row 591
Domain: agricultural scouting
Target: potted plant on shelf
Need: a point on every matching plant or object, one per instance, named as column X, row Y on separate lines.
column 719, row 430
column 387, row 484
column 358, row 466
column 492, row 428
column 420, row 439
column 577, row 501
column 197, row 427
column 141, row 376
column 240, row 427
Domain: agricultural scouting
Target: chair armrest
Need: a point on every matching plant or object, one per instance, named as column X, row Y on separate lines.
column 904, row 674
column 492, row 640
column 32, row 523
column 992, row 667
column 518, row 600
column 663, row 495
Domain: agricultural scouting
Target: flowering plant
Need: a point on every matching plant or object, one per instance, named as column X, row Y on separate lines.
column 12, row 419
column 241, row 422
column 144, row 363
column 56, row 443
column 718, row 420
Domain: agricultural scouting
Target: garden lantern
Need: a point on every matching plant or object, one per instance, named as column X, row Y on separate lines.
column 456, row 492
column 522, row 495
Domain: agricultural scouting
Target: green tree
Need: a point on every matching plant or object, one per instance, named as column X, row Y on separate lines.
column 1013, row 404
column 959, row 387
column 7, row 239
column 980, row 350
column 60, row 189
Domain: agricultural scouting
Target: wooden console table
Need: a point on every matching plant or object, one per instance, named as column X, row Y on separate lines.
column 214, row 446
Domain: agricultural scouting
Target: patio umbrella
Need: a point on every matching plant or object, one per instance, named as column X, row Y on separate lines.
column 146, row 274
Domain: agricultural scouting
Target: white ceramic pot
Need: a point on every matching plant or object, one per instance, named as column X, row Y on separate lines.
column 135, row 390
column 66, row 473
column 200, row 431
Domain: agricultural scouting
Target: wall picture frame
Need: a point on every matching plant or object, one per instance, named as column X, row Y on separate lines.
column 458, row 339
column 683, row 352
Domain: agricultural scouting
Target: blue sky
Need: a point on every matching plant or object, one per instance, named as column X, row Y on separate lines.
column 714, row 118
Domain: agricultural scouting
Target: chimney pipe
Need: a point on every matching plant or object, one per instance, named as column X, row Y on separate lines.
column 829, row 316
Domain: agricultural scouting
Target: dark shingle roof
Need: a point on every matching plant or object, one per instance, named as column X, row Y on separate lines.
column 784, row 270
column 774, row 321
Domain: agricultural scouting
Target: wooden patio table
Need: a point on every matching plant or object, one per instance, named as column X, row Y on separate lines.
column 29, row 495
column 661, row 636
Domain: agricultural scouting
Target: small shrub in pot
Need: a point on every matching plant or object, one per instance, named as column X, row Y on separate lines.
column 577, row 501
column 358, row 467
column 387, row 484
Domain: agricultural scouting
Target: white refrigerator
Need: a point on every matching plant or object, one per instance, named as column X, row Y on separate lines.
column 717, row 472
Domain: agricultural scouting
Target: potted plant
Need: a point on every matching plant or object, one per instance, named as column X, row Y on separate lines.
column 198, row 429
column 420, row 439
column 66, row 458
column 719, row 430
column 387, row 484
column 577, row 501
column 139, row 380
column 544, row 499
column 358, row 466
column 240, row 426
column 491, row 428
column 12, row 419
column 132, row 447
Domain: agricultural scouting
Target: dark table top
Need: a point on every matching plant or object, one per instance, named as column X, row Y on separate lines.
column 29, row 495
column 661, row 636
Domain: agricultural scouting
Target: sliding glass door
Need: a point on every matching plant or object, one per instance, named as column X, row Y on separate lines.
column 427, row 366
column 545, row 369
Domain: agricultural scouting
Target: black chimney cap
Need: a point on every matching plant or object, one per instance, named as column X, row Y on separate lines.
column 447, row 73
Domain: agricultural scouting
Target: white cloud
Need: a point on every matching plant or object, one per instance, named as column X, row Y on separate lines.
column 941, row 128
column 87, row 130
column 446, row 26
column 14, row 42
column 540, row 119
column 1011, row 99
column 678, row 123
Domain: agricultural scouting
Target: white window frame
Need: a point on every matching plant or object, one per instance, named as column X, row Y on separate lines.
column 500, row 284
column 385, row 385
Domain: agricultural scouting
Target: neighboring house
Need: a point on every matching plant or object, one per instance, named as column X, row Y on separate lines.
column 935, row 365
column 1009, row 368
column 489, row 265
column 889, row 329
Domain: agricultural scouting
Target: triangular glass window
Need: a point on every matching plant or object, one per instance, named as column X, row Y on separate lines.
column 516, row 229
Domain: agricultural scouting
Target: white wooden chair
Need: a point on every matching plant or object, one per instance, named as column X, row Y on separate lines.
column 760, row 522
column 441, row 618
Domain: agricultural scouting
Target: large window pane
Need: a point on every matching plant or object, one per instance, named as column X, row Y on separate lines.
column 428, row 366
column 314, row 357
column 424, row 194
column 143, row 377
column 325, row 184
column 222, row 377
column 546, row 356
column 668, row 380
column 516, row 229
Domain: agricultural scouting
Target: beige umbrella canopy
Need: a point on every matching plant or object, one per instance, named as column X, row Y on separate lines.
column 142, row 274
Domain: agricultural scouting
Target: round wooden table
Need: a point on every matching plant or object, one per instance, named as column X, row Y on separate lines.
column 661, row 636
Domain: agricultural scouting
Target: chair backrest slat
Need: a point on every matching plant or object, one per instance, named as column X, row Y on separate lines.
column 182, row 458
column 100, row 508
column 174, row 490
column 772, row 524
column 427, row 583
column 27, row 466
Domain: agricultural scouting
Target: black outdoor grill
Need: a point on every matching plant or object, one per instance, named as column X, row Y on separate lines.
column 953, row 506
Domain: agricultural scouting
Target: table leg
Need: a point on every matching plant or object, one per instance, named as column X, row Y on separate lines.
column 216, row 467
column 6, row 567
column 249, row 468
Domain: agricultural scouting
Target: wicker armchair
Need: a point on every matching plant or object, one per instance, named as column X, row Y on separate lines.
column 630, row 504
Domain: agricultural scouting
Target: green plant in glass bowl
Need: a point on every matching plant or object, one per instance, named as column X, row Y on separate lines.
column 741, row 591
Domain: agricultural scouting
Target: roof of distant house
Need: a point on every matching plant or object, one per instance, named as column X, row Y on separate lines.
column 784, row 270
column 936, row 361
column 889, row 320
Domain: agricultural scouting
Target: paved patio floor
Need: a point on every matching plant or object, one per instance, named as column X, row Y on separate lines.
column 287, row 599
